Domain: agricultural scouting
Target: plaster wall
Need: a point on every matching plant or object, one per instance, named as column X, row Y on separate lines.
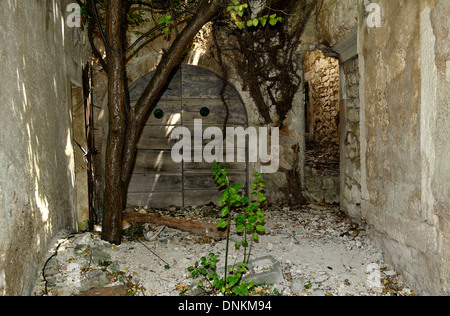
column 41, row 57
column 400, row 120
column 405, row 137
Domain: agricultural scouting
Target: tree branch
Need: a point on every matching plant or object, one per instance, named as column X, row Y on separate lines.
column 156, row 28
column 146, row 103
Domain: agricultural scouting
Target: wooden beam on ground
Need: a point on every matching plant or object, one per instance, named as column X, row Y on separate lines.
column 199, row 228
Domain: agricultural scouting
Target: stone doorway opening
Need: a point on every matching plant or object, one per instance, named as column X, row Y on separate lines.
column 321, row 128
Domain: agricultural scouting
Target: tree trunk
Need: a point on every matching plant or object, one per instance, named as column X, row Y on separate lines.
column 118, row 107
column 125, row 124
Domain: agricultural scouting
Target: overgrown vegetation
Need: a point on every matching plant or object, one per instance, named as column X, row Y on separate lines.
column 265, row 56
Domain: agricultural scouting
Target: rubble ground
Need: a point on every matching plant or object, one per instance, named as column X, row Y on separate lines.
column 320, row 252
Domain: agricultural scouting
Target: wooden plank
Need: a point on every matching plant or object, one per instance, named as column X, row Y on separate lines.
column 199, row 228
column 201, row 181
column 194, row 87
column 216, row 117
column 155, row 199
column 148, row 161
column 171, row 92
column 201, row 197
column 145, row 183
column 172, row 113
column 157, row 137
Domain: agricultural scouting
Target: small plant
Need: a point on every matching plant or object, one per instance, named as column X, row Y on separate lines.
column 249, row 222
column 233, row 284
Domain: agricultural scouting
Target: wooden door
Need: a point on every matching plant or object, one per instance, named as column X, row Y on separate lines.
column 157, row 181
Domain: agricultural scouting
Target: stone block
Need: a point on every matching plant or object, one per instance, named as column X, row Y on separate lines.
column 328, row 184
column 353, row 115
column 265, row 270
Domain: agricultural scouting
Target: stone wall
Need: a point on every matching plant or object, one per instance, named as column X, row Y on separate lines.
column 350, row 159
column 320, row 188
column 322, row 76
column 41, row 57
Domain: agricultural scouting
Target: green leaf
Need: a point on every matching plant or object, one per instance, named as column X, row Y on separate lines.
column 250, row 23
column 237, row 186
column 240, row 228
column 233, row 279
column 240, row 218
column 225, row 211
column 260, row 228
column 263, row 21
column 222, row 223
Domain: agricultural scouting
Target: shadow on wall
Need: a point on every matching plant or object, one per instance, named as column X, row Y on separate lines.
column 36, row 153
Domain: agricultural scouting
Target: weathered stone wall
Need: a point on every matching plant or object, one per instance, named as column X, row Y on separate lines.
column 41, row 58
column 321, row 188
column 336, row 19
column 405, row 137
column 322, row 75
column 350, row 158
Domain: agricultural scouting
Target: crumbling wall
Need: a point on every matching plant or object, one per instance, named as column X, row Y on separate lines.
column 41, row 57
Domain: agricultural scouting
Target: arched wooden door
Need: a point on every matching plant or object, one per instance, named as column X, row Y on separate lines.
column 158, row 181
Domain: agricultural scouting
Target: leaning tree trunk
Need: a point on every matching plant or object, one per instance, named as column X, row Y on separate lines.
column 125, row 124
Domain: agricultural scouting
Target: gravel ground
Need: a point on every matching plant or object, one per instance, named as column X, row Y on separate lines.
column 321, row 253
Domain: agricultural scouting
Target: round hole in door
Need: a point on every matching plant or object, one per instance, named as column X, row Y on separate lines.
column 159, row 114
column 204, row 111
